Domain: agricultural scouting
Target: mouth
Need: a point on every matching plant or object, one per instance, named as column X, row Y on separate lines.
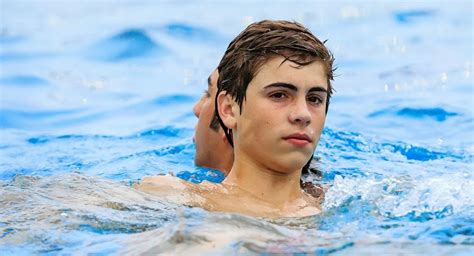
column 298, row 139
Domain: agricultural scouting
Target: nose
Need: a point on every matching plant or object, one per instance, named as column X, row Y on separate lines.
column 300, row 113
column 197, row 108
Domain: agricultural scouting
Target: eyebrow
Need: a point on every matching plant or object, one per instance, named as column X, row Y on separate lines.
column 294, row 88
column 209, row 81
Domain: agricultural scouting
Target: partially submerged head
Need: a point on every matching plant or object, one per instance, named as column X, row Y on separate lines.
column 275, row 51
column 212, row 148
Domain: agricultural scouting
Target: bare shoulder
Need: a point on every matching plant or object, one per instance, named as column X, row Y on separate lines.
column 168, row 188
column 163, row 181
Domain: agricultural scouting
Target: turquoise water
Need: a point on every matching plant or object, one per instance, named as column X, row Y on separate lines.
column 96, row 95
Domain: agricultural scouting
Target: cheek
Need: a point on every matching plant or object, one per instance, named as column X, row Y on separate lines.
column 204, row 121
column 206, row 112
column 264, row 129
column 319, row 120
column 318, row 124
column 259, row 123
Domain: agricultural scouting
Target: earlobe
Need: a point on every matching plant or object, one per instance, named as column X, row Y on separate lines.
column 226, row 108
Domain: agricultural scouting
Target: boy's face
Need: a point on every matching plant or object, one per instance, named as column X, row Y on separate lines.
column 283, row 114
column 208, row 141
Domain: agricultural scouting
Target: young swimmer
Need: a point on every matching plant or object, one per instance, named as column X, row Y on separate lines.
column 212, row 147
column 273, row 93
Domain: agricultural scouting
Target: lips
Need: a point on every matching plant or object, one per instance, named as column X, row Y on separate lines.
column 299, row 139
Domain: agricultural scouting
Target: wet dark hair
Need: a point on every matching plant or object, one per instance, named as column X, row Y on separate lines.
column 260, row 42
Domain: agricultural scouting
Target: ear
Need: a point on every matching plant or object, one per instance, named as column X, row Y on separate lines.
column 228, row 110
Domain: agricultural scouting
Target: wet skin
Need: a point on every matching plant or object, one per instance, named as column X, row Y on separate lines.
column 275, row 134
column 212, row 148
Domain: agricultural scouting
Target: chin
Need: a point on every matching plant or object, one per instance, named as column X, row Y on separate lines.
column 298, row 160
column 289, row 166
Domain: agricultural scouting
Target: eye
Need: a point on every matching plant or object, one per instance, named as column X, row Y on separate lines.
column 206, row 94
column 313, row 99
column 278, row 95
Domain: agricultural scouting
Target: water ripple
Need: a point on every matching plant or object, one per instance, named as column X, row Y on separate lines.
column 5, row 38
column 410, row 16
column 344, row 141
column 437, row 114
column 164, row 101
column 190, row 32
column 160, row 133
column 23, row 56
column 21, row 119
column 23, row 80
column 128, row 44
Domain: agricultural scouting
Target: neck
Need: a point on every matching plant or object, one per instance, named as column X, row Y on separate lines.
column 225, row 163
column 264, row 183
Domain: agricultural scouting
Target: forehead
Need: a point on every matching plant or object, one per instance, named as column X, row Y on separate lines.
column 277, row 69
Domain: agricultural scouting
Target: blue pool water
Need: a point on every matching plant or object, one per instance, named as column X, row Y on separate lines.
column 96, row 95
